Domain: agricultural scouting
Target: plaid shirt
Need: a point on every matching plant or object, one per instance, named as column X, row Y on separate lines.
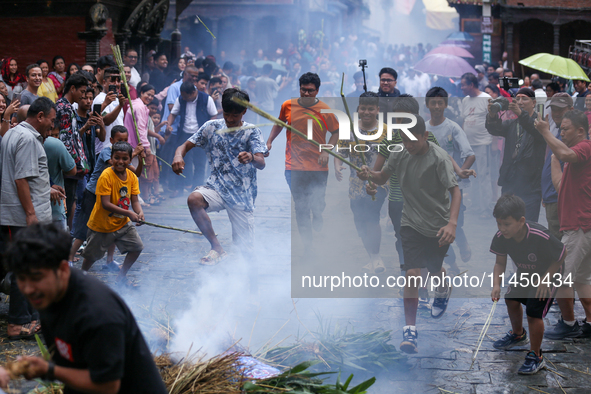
column 69, row 132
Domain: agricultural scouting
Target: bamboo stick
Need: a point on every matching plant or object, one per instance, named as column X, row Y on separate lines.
column 164, row 161
column 351, row 125
column 204, row 25
column 483, row 332
column 278, row 122
column 172, row 228
column 119, row 61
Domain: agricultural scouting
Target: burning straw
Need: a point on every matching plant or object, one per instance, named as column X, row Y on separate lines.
column 217, row 375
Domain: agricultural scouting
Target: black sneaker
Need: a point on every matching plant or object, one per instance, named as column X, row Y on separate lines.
column 511, row 340
column 532, row 364
column 585, row 329
column 440, row 302
column 562, row 330
column 409, row 340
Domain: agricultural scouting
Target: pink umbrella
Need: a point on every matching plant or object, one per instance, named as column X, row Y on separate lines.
column 444, row 65
column 456, row 51
column 455, row 43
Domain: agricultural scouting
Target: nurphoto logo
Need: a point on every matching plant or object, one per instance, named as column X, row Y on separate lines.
column 345, row 128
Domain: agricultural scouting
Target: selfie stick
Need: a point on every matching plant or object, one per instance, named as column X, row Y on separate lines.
column 363, row 71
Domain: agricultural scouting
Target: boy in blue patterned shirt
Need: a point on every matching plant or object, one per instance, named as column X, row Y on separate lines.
column 234, row 156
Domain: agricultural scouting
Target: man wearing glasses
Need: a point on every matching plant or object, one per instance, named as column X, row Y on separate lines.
column 112, row 103
column 388, row 78
column 130, row 59
column 306, row 168
column 525, row 149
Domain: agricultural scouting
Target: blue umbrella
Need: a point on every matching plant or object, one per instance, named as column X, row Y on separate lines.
column 460, row 36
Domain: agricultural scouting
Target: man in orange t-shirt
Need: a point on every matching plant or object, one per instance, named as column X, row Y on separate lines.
column 306, row 168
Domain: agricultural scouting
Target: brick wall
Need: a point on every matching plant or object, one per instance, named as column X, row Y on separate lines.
column 35, row 38
column 552, row 3
column 31, row 39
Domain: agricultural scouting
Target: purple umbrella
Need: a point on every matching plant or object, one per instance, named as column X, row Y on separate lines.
column 456, row 51
column 455, row 43
column 444, row 65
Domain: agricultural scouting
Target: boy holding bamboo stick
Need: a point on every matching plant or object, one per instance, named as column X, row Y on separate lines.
column 429, row 220
column 538, row 256
column 117, row 203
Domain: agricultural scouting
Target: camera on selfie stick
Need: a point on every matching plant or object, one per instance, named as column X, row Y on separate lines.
column 363, row 64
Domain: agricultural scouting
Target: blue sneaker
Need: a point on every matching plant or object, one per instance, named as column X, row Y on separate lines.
column 532, row 364
column 511, row 340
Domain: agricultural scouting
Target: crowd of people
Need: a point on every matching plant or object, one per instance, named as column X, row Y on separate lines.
column 85, row 153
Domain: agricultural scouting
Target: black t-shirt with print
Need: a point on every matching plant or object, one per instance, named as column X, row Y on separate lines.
column 92, row 328
column 535, row 253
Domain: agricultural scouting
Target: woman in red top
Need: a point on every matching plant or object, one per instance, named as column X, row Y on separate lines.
column 58, row 75
column 12, row 78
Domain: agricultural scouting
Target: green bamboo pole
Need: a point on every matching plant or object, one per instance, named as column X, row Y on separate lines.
column 373, row 198
column 164, row 161
column 172, row 228
column 278, row 122
column 119, row 61
column 204, row 25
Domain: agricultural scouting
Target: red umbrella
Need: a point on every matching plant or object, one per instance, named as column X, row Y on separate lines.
column 456, row 51
column 455, row 43
column 444, row 65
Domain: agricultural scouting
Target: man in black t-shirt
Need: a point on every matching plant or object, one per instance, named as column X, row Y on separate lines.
column 95, row 341
column 538, row 256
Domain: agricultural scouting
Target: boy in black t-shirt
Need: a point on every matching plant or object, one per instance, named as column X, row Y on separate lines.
column 538, row 255
column 96, row 343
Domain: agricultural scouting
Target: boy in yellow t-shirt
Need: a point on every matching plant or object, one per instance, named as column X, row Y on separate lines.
column 117, row 192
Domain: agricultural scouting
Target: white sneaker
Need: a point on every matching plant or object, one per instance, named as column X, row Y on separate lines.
column 378, row 265
column 369, row 268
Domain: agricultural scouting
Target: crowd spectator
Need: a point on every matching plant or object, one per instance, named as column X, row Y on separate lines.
column 72, row 69
column 111, row 101
column 58, row 75
column 13, row 79
column 581, row 91
column 34, row 80
column 130, row 59
column 46, row 89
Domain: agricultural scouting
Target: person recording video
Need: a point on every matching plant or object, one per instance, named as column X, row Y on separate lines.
column 523, row 159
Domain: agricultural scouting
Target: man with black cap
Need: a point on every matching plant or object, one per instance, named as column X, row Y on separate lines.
column 523, row 160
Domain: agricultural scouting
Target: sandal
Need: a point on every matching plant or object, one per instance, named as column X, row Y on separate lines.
column 213, row 258
column 27, row 331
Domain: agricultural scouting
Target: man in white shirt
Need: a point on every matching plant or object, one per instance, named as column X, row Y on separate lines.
column 474, row 110
column 112, row 103
column 194, row 108
column 130, row 59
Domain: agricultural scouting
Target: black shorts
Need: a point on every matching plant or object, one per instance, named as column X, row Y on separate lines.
column 421, row 251
column 527, row 296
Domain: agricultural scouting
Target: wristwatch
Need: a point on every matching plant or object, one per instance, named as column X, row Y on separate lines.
column 50, row 374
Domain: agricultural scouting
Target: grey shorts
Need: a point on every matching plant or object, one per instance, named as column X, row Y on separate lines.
column 578, row 260
column 126, row 239
column 242, row 221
